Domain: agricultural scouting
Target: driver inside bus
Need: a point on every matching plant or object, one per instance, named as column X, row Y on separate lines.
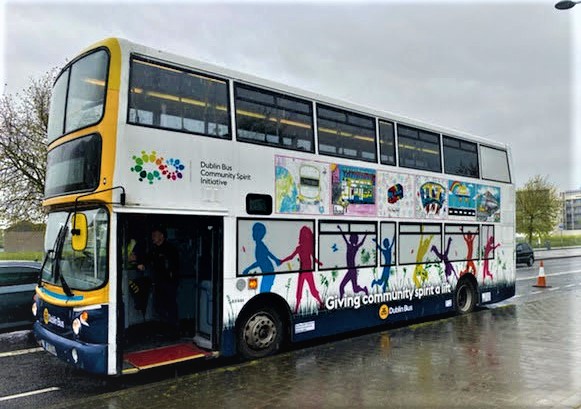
column 163, row 262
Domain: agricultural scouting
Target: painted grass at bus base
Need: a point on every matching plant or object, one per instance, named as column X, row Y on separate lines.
column 341, row 322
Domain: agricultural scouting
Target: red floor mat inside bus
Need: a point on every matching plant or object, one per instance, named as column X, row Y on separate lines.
column 164, row 355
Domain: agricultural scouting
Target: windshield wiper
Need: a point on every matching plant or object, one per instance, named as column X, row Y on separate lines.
column 46, row 256
column 50, row 254
column 60, row 240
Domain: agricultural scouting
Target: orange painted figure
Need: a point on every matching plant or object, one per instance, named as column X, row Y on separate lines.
column 469, row 240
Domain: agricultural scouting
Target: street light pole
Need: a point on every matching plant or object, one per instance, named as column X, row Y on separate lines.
column 566, row 4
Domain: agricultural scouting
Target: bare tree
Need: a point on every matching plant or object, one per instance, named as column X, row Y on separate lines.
column 537, row 207
column 23, row 130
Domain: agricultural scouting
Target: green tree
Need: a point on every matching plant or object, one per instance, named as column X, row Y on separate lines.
column 537, row 208
column 23, row 130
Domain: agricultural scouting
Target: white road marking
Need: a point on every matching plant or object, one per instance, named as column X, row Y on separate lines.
column 25, row 394
column 20, row 352
column 550, row 275
column 536, row 292
column 569, row 285
column 554, row 288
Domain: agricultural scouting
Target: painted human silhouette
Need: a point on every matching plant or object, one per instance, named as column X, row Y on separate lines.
column 263, row 256
column 386, row 251
column 420, row 273
column 305, row 251
column 490, row 247
column 448, row 266
column 469, row 240
column 352, row 247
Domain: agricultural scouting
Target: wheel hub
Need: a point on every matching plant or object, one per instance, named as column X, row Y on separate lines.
column 260, row 331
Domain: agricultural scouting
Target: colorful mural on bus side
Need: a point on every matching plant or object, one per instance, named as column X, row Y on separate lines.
column 354, row 264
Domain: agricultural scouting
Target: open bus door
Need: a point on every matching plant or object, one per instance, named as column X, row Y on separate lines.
column 147, row 341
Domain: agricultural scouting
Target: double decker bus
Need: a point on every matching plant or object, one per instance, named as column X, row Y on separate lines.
column 293, row 216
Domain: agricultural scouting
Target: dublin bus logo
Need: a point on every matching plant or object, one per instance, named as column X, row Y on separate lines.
column 150, row 167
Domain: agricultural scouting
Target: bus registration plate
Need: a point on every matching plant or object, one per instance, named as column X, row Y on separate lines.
column 49, row 348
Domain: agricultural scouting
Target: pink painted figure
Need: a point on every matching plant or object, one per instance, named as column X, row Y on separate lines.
column 490, row 246
column 305, row 251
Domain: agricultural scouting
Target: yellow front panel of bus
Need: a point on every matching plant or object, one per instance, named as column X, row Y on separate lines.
column 55, row 295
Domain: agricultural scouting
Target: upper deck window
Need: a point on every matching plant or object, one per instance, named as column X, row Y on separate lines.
column 78, row 97
column 494, row 164
column 418, row 149
column 346, row 134
column 172, row 98
column 460, row 157
column 387, row 143
column 274, row 119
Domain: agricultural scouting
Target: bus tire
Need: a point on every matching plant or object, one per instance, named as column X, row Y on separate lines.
column 465, row 297
column 260, row 333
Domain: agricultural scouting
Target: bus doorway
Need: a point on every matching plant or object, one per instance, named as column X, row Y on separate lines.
column 170, row 291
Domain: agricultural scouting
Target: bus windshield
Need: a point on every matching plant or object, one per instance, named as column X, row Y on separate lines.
column 81, row 270
column 78, row 96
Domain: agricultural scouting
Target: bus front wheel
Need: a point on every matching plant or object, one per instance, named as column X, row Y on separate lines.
column 260, row 333
column 465, row 297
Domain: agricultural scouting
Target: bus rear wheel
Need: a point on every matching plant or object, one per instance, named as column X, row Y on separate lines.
column 465, row 297
column 260, row 333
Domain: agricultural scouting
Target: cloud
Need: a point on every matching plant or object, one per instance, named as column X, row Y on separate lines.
column 497, row 70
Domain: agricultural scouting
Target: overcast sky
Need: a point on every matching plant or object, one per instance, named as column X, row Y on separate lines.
column 500, row 70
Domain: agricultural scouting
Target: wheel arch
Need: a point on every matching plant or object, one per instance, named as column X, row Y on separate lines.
column 271, row 300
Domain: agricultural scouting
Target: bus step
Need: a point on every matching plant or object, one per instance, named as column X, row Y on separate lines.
column 166, row 355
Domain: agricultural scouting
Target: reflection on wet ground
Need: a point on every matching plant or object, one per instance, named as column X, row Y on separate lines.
column 522, row 356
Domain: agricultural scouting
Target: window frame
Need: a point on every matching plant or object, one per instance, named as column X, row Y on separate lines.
column 460, row 141
column 394, row 253
column 67, row 69
column 421, row 224
column 418, row 138
column 312, row 223
column 483, row 242
column 183, row 70
column 381, row 143
column 275, row 94
column 371, row 118
column 339, row 234
column 480, row 147
column 99, row 155
column 476, row 249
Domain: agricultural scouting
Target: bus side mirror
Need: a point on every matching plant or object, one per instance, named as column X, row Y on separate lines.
column 79, row 232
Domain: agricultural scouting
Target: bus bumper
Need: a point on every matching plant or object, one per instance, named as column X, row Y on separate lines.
column 88, row 357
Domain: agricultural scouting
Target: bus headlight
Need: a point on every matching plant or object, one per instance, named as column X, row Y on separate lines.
column 76, row 326
column 75, row 355
column 34, row 309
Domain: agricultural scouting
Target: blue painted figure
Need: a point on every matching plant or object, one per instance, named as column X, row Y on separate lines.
column 263, row 256
column 384, row 280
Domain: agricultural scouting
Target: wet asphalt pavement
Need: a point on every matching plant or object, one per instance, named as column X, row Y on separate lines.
column 526, row 355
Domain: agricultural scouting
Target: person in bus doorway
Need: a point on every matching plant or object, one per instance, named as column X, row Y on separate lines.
column 164, row 264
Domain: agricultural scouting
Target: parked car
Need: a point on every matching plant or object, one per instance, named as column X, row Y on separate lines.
column 524, row 254
column 17, row 283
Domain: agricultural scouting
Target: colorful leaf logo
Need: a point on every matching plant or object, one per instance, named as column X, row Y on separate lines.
column 151, row 167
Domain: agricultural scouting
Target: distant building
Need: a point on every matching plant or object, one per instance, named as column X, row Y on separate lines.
column 24, row 236
column 571, row 219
